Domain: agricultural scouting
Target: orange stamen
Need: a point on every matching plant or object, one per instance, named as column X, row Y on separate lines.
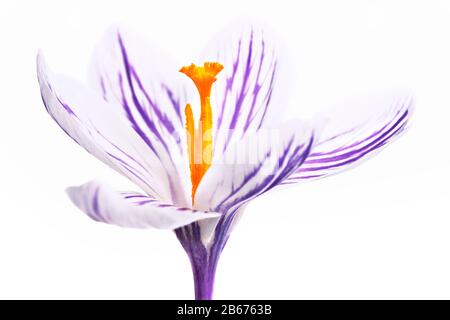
column 200, row 149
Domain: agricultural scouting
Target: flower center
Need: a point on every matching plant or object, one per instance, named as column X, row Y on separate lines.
column 199, row 139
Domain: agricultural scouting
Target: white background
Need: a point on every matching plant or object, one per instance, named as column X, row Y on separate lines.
column 381, row 230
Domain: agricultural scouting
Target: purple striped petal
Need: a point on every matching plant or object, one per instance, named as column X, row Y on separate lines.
column 252, row 166
column 146, row 87
column 97, row 127
column 146, row 90
column 342, row 148
column 131, row 210
column 245, row 88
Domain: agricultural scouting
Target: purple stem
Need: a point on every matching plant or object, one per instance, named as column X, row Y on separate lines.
column 203, row 260
column 204, row 275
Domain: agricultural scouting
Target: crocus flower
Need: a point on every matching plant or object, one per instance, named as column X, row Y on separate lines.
column 142, row 118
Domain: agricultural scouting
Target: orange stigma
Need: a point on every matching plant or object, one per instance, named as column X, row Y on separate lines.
column 199, row 139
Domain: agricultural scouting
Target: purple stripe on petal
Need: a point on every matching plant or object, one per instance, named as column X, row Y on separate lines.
column 245, row 180
column 356, row 151
column 130, row 170
column 300, row 154
column 257, row 87
column 128, row 72
column 246, row 92
column 96, row 215
column 359, row 156
column 134, row 196
column 163, row 119
column 268, row 97
column 364, row 150
column 245, row 78
column 343, row 148
column 290, row 159
column 229, row 86
column 66, row 107
column 151, row 125
column 174, row 102
column 103, row 87
column 141, row 203
column 131, row 118
column 325, row 162
column 126, row 154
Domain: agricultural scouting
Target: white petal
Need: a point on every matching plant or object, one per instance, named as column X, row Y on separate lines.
column 98, row 127
column 355, row 133
column 130, row 209
column 147, row 88
column 244, row 94
column 252, row 166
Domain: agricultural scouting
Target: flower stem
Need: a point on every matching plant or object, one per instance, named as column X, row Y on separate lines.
column 204, row 270
column 203, row 282
column 203, row 259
